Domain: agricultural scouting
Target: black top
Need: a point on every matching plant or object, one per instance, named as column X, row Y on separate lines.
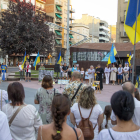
column 64, row 68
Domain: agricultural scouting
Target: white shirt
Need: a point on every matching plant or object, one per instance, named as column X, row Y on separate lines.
column 29, row 70
column 25, row 123
column 92, row 73
column 4, row 97
column 97, row 110
column 109, row 125
column 4, row 128
column 104, row 135
column 120, row 70
column 20, row 67
column 136, row 116
column 107, row 70
column 82, row 72
column 126, row 69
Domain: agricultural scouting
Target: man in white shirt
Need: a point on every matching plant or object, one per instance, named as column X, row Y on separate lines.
column 125, row 73
column 28, row 72
column 21, row 71
column 128, row 86
column 91, row 72
column 4, row 127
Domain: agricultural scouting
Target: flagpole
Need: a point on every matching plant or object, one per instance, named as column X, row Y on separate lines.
column 135, row 42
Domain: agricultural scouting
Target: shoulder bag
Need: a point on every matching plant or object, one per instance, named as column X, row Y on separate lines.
column 15, row 114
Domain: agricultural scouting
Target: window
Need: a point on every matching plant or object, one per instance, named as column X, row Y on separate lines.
column 78, row 37
column 78, row 30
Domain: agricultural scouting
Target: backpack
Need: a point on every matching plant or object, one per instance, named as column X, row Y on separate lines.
column 86, row 126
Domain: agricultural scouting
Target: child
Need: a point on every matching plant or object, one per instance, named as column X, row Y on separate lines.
column 107, row 121
column 82, row 74
column 86, row 76
column 78, row 69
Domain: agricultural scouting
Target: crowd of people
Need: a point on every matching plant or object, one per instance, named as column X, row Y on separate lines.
column 74, row 114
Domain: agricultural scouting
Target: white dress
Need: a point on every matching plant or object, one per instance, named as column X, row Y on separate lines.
column 25, row 124
column 104, row 135
column 113, row 74
column 97, row 110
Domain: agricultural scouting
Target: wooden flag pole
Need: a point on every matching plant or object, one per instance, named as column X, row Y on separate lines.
column 135, row 43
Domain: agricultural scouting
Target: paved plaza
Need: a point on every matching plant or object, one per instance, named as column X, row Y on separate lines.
column 31, row 88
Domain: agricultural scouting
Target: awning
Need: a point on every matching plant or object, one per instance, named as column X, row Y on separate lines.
column 58, row 42
column 70, row 36
column 58, row 8
column 58, row 33
column 58, row 16
column 70, row 42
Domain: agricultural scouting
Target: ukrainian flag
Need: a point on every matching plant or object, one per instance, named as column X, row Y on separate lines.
column 112, row 54
column 59, row 58
column 24, row 60
column 130, row 20
column 137, row 82
column 129, row 59
column 37, row 60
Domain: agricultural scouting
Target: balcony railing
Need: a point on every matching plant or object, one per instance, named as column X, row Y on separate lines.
column 104, row 38
column 72, row 10
column 72, row 17
column 103, row 27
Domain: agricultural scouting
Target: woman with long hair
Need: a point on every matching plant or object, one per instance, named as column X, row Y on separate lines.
column 58, row 129
column 87, row 105
column 44, row 97
column 113, row 74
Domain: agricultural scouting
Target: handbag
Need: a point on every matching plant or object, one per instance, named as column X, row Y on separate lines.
column 15, row 114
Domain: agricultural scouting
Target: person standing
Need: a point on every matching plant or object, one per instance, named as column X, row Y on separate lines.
column 4, row 70
column 65, row 69
column 61, row 71
column 74, row 68
column 107, row 74
column 99, row 72
column 69, row 72
column 91, row 72
column 113, row 74
column 125, row 73
column 28, row 72
column 21, row 71
column 120, row 74
column 82, row 74
column 86, row 77
column 3, row 98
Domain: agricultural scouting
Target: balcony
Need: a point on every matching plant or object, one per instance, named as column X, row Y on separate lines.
column 72, row 10
column 58, row 9
column 123, row 35
column 102, row 33
column 58, row 37
column 71, row 32
column 58, row 29
column 57, row 2
column 104, row 28
column 40, row 9
column 58, row 21
column 122, row 19
column 71, row 25
column 72, row 17
column 42, row 1
column 104, row 38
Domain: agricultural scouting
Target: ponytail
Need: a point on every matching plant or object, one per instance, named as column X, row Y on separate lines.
column 60, row 108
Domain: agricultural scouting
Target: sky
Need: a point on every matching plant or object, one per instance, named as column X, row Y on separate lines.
column 103, row 9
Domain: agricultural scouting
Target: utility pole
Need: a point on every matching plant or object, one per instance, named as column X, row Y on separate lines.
column 67, row 52
column 92, row 30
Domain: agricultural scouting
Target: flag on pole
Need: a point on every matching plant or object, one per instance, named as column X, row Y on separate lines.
column 59, row 58
column 112, row 53
column 129, row 59
column 130, row 20
column 37, row 60
column 24, row 60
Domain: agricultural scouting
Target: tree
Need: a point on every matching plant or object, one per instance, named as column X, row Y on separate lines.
column 23, row 28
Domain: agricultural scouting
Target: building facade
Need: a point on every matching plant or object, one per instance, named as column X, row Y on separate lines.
column 82, row 29
column 98, row 29
column 121, row 35
column 112, row 29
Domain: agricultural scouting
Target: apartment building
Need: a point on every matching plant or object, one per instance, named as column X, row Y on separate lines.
column 81, row 29
column 112, row 29
column 98, row 29
column 121, row 35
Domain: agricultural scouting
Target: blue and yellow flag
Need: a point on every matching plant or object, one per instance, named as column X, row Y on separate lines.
column 24, row 60
column 112, row 54
column 129, row 59
column 130, row 21
column 37, row 60
column 137, row 82
column 59, row 58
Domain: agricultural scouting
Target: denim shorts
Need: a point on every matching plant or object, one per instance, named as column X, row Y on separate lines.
column 120, row 77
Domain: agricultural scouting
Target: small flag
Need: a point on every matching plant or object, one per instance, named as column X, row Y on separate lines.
column 37, row 60
column 59, row 58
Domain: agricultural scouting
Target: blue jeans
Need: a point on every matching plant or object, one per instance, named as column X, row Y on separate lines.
column 61, row 74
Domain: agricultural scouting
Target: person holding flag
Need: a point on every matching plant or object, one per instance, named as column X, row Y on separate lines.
column 3, row 71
